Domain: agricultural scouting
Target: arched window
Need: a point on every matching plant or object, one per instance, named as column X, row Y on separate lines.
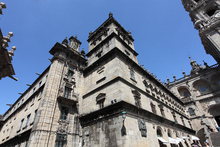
column 184, row 92
column 202, row 86
column 159, row 132
column 161, row 141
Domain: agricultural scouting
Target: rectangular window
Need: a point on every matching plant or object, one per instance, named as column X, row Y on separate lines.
column 28, row 120
column 64, row 113
column 61, row 140
column 22, row 121
column 101, row 104
column 70, row 74
column 67, row 92
column 132, row 74
column 153, row 108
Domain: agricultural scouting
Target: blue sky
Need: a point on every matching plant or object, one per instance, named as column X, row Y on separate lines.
column 164, row 35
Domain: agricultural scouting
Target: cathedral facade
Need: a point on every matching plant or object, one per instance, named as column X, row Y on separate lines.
column 100, row 99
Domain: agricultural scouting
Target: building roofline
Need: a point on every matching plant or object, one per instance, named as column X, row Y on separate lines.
column 29, row 88
column 111, row 19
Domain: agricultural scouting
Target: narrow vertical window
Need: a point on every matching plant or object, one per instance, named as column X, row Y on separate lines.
column 100, row 99
column 61, row 140
column 137, row 98
column 22, row 121
column 132, row 74
column 67, row 92
column 64, row 113
column 28, row 120
column 183, row 121
column 153, row 108
column 70, row 74
column 174, row 117
column 162, row 110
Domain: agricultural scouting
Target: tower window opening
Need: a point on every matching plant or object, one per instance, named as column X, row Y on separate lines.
column 211, row 12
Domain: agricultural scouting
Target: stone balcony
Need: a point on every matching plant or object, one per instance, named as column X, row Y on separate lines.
column 186, row 99
column 72, row 99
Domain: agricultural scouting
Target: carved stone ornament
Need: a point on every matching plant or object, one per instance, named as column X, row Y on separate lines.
column 123, row 35
column 98, row 36
column 142, row 127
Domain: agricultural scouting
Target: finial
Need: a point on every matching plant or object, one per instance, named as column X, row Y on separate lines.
column 110, row 14
column 184, row 74
column 168, row 81
column 205, row 63
column 190, row 59
column 174, row 77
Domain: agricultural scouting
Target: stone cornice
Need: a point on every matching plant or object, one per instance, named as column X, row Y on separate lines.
column 116, row 109
column 117, row 52
column 113, row 34
column 106, row 23
column 60, row 48
column 117, row 79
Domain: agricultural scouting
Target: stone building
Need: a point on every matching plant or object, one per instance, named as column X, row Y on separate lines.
column 101, row 99
column 200, row 91
column 205, row 15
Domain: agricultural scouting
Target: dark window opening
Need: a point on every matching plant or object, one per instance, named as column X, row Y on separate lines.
column 197, row 1
column 67, row 92
column 101, row 104
column 132, row 74
column 211, row 12
column 64, row 113
column 137, row 102
column 70, row 74
column 100, row 99
column 191, row 111
column 217, row 119
column 153, row 108
column 61, row 140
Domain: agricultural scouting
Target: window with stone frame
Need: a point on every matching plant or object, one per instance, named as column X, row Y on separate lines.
column 70, row 74
column 64, row 113
column 162, row 110
column 153, row 108
column 191, row 111
column 202, row 86
column 137, row 98
column 67, row 92
column 182, row 119
column 132, row 74
column 28, row 120
column 184, row 92
column 21, row 124
column 61, row 140
column 100, row 99
column 174, row 117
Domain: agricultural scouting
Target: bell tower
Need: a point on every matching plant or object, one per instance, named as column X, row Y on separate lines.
column 205, row 15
